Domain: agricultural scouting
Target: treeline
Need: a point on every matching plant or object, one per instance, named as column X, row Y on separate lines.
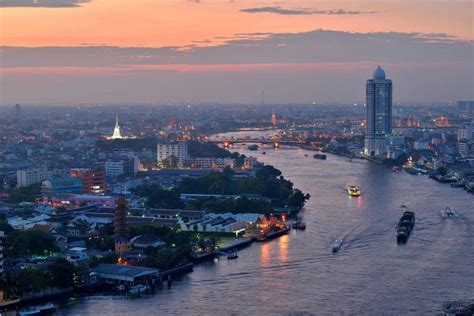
column 60, row 274
column 23, row 194
column 274, row 189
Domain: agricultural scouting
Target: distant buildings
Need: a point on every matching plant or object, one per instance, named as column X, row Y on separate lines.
column 378, row 113
column 93, row 181
column 61, row 186
column 211, row 163
column 466, row 107
column 26, row 178
column 125, row 166
column 274, row 119
column 165, row 151
column 2, row 237
column 466, row 132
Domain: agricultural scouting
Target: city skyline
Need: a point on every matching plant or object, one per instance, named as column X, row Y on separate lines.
column 176, row 52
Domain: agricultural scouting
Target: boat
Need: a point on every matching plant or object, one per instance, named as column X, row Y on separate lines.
column 448, row 212
column 353, row 190
column 120, row 288
column 38, row 310
column 337, row 245
column 320, row 156
column 232, row 256
column 298, row 225
column 272, row 234
column 252, row 147
column 137, row 289
column 405, row 225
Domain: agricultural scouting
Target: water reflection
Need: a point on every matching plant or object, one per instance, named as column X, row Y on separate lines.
column 265, row 254
column 283, row 242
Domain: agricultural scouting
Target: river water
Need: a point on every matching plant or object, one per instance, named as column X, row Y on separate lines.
column 298, row 274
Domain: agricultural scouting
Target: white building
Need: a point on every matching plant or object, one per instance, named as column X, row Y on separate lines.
column 166, row 150
column 26, row 178
column 467, row 132
column 117, row 167
column 250, row 163
column 378, row 114
column 76, row 254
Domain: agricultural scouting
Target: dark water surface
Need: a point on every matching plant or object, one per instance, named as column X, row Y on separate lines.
column 298, row 274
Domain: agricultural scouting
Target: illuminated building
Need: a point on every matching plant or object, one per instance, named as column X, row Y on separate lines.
column 274, row 119
column 121, row 229
column 93, row 181
column 116, row 134
column 442, row 121
column 378, row 113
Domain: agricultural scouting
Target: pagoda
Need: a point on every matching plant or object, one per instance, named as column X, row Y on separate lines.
column 121, row 229
column 116, row 134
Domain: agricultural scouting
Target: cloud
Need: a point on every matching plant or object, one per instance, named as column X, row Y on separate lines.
column 303, row 11
column 318, row 46
column 42, row 3
column 291, row 66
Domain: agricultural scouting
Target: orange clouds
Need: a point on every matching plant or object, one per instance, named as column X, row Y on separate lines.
column 152, row 23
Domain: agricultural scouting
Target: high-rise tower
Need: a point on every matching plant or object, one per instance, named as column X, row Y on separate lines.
column 378, row 113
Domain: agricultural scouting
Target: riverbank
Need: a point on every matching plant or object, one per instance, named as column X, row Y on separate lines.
column 264, row 275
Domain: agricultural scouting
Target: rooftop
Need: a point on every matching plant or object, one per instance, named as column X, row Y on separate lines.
column 125, row 271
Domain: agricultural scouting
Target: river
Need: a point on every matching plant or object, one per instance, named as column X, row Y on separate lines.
column 298, row 274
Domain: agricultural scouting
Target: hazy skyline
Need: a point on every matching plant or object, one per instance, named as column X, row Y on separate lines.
column 104, row 51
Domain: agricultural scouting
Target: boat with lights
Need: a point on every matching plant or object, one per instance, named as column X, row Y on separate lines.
column 353, row 190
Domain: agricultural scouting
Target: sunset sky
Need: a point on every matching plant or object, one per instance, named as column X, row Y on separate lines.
column 160, row 51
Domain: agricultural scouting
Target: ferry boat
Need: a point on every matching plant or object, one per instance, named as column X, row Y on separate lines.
column 405, row 225
column 38, row 310
column 320, row 156
column 337, row 245
column 299, row 225
column 138, row 289
column 353, row 190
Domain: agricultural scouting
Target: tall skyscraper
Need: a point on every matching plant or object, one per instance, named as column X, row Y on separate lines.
column 378, row 113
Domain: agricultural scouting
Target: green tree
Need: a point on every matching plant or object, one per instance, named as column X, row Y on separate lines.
column 24, row 194
column 170, row 162
column 62, row 273
column 30, row 242
column 442, row 171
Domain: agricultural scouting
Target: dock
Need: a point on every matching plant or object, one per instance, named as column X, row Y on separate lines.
column 236, row 244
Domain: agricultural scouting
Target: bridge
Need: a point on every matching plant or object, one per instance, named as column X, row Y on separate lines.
column 230, row 141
